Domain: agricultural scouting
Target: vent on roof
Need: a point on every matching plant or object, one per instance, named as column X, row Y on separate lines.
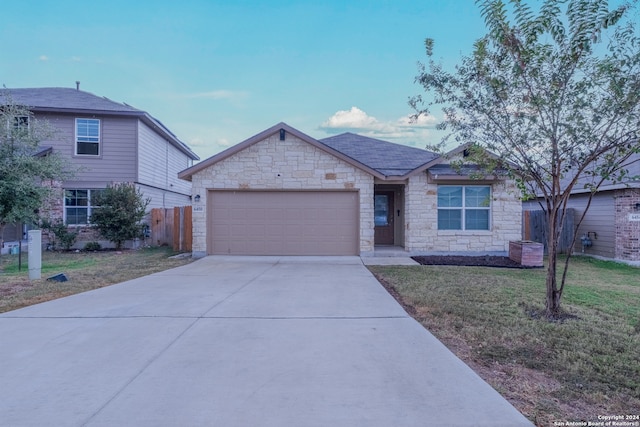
column 77, row 84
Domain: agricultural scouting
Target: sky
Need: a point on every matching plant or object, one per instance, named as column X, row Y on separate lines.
column 218, row 72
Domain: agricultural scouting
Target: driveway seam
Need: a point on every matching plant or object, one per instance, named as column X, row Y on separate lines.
column 167, row 347
column 240, row 288
column 140, row 372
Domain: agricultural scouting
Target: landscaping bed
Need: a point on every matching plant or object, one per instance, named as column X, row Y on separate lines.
column 469, row 261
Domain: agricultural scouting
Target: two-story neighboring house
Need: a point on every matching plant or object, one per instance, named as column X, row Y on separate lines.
column 107, row 142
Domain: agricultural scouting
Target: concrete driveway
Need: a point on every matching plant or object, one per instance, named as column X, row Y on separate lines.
column 237, row 341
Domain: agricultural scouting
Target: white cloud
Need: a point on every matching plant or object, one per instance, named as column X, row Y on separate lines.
column 403, row 129
column 43, row 58
column 76, row 59
column 354, row 118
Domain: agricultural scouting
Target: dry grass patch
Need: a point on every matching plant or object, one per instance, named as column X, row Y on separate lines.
column 573, row 370
column 85, row 271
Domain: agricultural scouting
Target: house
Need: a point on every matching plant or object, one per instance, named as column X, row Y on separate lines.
column 282, row 192
column 612, row 222
column 106, row 142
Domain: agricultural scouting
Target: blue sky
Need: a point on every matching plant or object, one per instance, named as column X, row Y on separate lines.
column 218, row 72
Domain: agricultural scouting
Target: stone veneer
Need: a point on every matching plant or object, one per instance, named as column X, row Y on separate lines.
column 627, row 232
column 291, row 164
column 294, row 164
column 421, row 221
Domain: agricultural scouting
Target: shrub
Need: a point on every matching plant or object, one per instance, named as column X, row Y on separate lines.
column 92, row 246
column 120, row 210
column 61, row 234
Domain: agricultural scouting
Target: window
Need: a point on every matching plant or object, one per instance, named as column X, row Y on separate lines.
column 381, row 210
column 88, row 137
column 464, row 207
column 21, row 122
column 78, row 206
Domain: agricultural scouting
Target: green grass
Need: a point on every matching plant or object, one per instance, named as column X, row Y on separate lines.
column 488, row 316
column 51, row 264
column 85, row 271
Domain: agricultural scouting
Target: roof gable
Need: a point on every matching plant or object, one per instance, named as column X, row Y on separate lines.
column 189, row 172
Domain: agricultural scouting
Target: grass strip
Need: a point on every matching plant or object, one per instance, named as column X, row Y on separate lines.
column 575, row 370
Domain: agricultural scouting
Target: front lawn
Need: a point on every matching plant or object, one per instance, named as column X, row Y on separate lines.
column 575, row 370
column 85, row 271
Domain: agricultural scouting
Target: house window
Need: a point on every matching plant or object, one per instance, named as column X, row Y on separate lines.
column 88, row 137
column 21, row 122
column 78, row 206
column 464, row 207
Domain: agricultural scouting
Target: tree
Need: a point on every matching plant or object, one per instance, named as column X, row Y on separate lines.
column 120, row 210
column 27, row 170
column 542, row 90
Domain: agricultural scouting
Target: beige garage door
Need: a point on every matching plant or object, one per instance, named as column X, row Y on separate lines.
column 283, row 223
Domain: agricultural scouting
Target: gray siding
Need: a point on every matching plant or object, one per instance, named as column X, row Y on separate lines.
column 130, row 152
column 163, row 199
column 159, row 162
column 117, row 162
column 600, row 219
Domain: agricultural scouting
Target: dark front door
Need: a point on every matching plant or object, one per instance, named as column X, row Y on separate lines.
column 383, row 218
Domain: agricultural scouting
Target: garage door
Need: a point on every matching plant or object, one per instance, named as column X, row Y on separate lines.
column 283, row 222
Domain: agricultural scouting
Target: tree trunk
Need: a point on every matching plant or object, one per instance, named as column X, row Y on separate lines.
column 553, row 294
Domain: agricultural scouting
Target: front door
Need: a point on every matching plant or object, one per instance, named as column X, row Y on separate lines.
column 383, row 218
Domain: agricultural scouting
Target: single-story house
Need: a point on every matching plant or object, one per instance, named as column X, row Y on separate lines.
column 282, row 192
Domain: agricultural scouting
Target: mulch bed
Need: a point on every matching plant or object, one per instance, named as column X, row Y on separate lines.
column 469, row 261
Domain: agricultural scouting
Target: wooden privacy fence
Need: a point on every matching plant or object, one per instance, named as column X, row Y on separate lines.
column 534, row 227
column 172, row 227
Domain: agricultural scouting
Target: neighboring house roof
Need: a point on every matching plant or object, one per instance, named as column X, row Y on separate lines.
column 68, row 100
column 632, row 165
column 385, row 157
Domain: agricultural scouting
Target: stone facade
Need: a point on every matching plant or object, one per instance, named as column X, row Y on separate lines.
column 296, row 164
column 421, row 222
column 291, row 164
column 627, row 224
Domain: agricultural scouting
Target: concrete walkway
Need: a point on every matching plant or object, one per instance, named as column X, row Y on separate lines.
column 237, row 341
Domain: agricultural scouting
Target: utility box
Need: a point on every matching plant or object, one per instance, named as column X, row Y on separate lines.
column 35, row 254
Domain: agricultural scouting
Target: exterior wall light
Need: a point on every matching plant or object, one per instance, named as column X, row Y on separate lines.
column 197, row 198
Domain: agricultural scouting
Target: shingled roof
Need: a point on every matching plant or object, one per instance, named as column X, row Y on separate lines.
column 68, row 100
column 60, row 98
column 385, row 157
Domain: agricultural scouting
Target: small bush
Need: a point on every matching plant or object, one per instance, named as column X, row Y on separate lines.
column 61, row 234
column 92, row 246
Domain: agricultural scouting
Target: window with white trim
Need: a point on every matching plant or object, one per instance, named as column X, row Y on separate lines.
column 78, row 205
column 88, row 137
column 464, row 207
column 21, row 122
